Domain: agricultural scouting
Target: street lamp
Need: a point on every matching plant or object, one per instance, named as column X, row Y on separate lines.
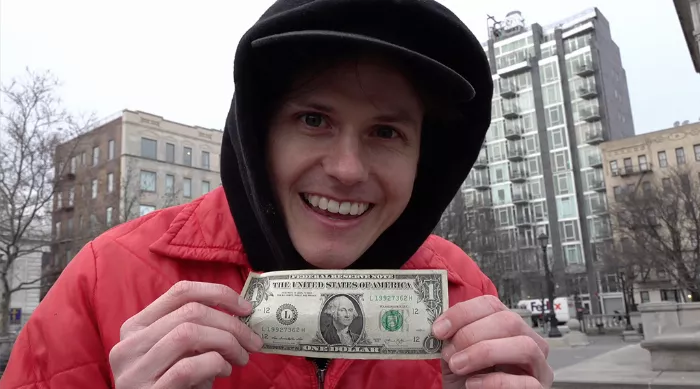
column 628, row 325
column 553, row 322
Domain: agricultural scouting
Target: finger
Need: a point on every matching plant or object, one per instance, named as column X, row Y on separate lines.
column 213, row 295
column 498, row 380
column 140, row 342
column 194, row 371
column 520, row 351
column 504, row 324
column 465, row 313
column 188, row 339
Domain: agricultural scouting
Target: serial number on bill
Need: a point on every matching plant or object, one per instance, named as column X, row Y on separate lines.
column 391, row 298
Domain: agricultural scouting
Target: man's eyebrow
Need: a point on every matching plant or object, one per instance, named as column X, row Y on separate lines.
column 398, row 115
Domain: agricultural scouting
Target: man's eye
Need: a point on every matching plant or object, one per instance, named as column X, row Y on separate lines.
column 313, row 119
column 386, row 132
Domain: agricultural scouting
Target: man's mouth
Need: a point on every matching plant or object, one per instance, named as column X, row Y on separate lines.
column 343, row 210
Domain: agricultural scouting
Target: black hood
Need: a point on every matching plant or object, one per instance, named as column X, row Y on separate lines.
column 447, row 55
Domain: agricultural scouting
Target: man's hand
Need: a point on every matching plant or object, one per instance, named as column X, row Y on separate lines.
column 180, row 341
column 488, row 346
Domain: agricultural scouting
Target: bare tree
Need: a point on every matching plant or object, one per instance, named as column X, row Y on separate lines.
column 33, row 123
column 658, row 230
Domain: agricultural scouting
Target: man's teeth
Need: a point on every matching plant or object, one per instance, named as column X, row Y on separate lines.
column 332, row 206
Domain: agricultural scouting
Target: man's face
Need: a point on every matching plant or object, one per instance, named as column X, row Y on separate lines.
column 342, row 154
column 345, row 313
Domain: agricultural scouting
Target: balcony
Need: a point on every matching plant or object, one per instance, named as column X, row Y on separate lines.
column 630, row 170
column 518, row 175
column 513, row 132
column 593, row 137
column 598, row 210
column 483, row 203
column 481, row 183
column 590, row 115
column 508, row 89
column 523, row 222
column 481, row 162
column 595, row 161
column 515, row 154
column 598, row 186
column 520, row 64
column 521, row 198
column 585, row 70
column 587, row 92
column 510, row 110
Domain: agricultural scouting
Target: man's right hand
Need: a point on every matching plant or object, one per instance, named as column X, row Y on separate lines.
column 181, row 342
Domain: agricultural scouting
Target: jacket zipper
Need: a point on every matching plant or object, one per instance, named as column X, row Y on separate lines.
column 321, row 367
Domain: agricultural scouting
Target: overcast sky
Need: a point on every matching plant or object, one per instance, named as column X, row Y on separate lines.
column 175, row 58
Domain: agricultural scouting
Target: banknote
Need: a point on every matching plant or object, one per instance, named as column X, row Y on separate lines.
column 349, row 314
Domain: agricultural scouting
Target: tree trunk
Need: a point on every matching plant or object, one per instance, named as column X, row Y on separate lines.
column 5, row 315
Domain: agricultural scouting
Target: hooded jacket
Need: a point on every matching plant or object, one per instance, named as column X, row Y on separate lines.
column 224, row 235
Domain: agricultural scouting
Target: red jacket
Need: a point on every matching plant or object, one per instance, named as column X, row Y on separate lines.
column 66, row 342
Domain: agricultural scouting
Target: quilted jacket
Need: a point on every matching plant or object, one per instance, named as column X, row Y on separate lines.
column 67, row 341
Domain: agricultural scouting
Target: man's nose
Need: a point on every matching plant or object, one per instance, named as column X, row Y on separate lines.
column 345, row 159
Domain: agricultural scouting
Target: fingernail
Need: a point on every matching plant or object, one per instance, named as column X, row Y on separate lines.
column 475, row 383
column 244, row 304
column 441, row 327
column 458, row 362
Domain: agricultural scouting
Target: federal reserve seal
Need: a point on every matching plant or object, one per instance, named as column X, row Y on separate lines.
column 392, row 320
column 287, row 314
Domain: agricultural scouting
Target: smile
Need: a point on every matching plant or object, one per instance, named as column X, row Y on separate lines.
column 334, row 208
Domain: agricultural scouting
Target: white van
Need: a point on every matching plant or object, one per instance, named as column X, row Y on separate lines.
column 563, row 308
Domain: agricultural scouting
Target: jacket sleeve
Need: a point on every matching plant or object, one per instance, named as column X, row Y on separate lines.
column 60, row 345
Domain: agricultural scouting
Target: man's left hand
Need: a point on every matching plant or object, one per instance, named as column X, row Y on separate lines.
column 488, row 346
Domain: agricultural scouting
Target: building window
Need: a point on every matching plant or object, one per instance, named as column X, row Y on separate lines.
column 618, row 193
column 646, row 188
column 187, row 187
column 95, row 155
column 644, row 296
column 108, row 216
column 149, row 148
column 110, row 182
column 205, row 160
column 187, row 156
column 169, row 184
column 69, row 226
column 73, row 165
column 696, row 148
column 58, row 230
column 110, row 150
column 148, row 181
column 680, row 156
column 628, row 165
column 146, row 209
column 666, row 183
column 206, row 187
column 613, row 169
column 643, row 165
column 663, row 161
column 94, row 188
column 71, row 197
column 169, row 153
column 83, row 158
column 670, row 295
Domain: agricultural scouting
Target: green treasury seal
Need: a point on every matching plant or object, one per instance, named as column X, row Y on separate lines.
column 392, row 320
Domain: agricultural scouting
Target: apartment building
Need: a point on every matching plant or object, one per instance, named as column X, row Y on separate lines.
column 689, row 15
column 131, row 164
column 559, row 91
column 639, row 163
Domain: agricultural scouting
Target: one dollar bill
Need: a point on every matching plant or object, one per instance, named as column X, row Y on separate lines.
column 349, row 314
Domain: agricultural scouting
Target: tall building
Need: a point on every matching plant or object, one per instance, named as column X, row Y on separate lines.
column 559, row 91
column 689, row 15
column 647, row 165
column 129, row 165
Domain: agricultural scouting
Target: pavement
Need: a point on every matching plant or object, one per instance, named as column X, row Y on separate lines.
column 561, row 357
column 623, row 368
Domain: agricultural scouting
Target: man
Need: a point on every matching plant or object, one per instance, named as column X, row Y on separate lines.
column 342, row 313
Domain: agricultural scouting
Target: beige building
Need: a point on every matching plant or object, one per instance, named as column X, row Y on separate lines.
column 635, row 164
column 131, row 164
